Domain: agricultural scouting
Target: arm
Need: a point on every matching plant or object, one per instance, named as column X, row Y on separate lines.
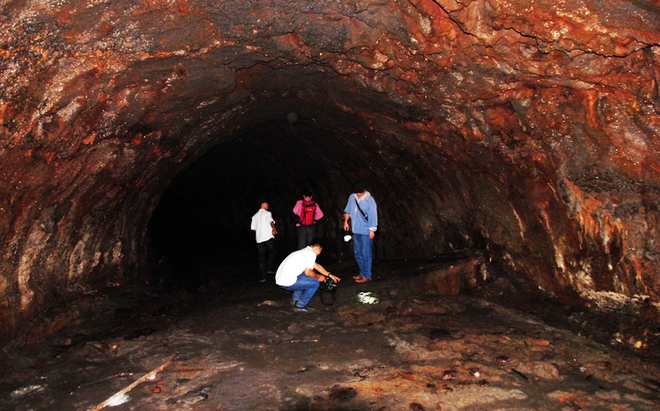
column 272, row 225
column 347, row 215
column 323, row 273
column 297, row 207
column 373, row 219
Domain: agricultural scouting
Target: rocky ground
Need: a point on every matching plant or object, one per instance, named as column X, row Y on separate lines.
column 381, row 346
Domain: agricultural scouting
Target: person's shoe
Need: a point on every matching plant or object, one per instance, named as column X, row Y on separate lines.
column 357, row 277
column 263, row 280
column 294, row 302
column 270, row 272
column 303, row 309
column 363, row 280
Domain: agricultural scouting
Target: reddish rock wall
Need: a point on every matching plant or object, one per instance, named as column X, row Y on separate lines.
column 525, row 128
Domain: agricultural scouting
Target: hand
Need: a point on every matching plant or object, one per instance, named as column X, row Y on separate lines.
column 274, row 231
column 372, row 234
column 337, row 279
column 346, row 226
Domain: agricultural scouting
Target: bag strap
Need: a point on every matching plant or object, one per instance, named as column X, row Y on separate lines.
column 364, row 215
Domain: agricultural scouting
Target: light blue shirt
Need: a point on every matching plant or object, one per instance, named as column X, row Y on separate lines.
column 359, row 224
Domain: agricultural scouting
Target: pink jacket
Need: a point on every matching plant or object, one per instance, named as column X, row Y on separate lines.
column 318, row 214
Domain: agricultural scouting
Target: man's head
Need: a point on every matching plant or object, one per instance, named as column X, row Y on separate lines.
column 359, row 187
column 264, row 204
column 316, row 246
column 307, row 193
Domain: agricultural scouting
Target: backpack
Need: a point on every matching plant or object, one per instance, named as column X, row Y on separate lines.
column 307, row 212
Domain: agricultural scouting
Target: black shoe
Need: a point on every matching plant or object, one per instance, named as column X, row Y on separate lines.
column 303, row 309
column 294, row 302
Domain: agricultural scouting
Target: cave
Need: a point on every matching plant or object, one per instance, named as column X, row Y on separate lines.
column 512, row 147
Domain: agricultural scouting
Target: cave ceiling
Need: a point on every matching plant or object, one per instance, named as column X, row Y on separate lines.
column 527, row 128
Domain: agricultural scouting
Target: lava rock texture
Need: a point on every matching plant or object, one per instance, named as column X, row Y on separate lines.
column 525, row 129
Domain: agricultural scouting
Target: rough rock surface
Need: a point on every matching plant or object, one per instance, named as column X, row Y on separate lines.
column 381, row 346
column 524, row 129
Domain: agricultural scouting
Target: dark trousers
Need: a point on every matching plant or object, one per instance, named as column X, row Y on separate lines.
column 306, row 233
column 266, row 252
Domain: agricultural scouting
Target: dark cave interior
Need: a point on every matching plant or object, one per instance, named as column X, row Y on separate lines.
column 201, row 225
column 512, row 146
column 135, row 151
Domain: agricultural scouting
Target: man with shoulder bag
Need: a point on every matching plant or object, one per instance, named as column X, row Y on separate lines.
column 362, row 212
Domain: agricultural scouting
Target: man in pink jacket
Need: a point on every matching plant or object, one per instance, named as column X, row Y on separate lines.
column 308, row 212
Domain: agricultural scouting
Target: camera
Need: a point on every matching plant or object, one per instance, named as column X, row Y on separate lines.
column 327, row 291
column 329, row 284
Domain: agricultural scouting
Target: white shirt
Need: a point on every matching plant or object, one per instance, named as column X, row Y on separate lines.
column 294, row 265
column 261, row 224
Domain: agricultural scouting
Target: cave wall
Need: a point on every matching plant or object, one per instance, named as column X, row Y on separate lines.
column 526, row 128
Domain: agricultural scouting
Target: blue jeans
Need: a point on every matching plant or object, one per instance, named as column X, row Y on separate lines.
column 266, row 257
column 303, row 289
column 362, row 251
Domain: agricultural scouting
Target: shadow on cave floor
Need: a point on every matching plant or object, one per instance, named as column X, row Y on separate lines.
column 392, row 344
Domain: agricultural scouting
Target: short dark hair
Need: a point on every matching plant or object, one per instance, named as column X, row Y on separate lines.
column 316, row 243
column 359, row 186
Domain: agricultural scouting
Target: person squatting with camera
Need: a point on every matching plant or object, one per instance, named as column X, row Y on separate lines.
column 297, row 273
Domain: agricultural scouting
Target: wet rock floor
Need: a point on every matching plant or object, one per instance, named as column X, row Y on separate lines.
column 380, row 346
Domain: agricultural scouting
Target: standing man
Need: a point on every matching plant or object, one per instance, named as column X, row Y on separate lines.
column 296, row 273
column 264, row 227
column 362, row 211
column 308, row 212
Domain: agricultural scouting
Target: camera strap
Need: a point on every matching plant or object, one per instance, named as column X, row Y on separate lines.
column 364, row 215
column 326, row 292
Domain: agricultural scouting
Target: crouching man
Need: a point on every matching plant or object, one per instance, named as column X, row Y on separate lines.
column 296, row 273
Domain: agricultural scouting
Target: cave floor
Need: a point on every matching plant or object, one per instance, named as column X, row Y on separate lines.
column 380, row 346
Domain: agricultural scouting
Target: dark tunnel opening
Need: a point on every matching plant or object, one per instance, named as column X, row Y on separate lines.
column 201, row 228
column 200, row 231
